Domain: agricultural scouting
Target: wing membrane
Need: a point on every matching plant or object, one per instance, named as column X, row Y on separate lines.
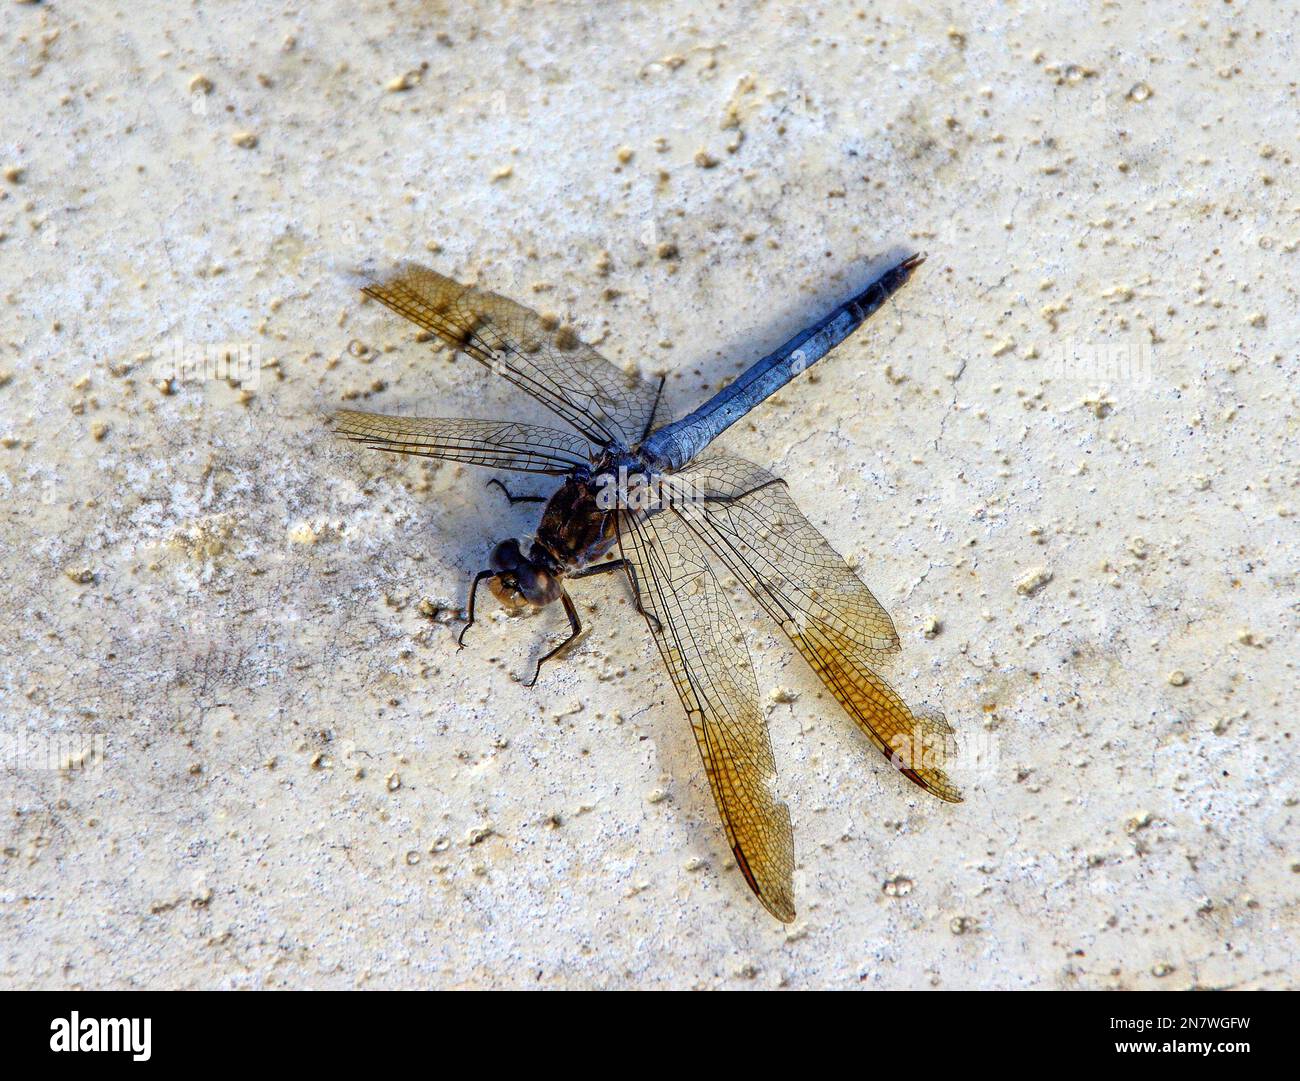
column 541, row 357
column 748, row 519
column 525, row 448
column 700, row 641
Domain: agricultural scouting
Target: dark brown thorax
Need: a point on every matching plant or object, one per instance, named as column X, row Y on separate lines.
column 574, row 530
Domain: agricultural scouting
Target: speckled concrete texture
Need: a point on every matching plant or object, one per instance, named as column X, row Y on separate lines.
column 241, row 749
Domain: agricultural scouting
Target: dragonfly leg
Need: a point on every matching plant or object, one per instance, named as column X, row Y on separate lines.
column 649, row 421
column 574, row 623
column 515, row 498
column 473, row 591
column 623, row 565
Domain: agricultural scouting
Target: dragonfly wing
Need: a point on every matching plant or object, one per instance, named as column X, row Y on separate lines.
column 541, row 356
column 702, row 647
column 525, row 448
column 746, row 516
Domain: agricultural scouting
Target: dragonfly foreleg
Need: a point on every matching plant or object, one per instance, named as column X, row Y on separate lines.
column 623, row 565
column 469, row 613
column 574, row 623
column 516, row 498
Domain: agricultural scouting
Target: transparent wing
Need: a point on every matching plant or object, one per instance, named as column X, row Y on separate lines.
column 746, row 516
column 540, row 356
column 700, row 641
column 525, row 448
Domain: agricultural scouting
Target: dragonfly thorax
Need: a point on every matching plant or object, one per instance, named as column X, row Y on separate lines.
column 575, row 530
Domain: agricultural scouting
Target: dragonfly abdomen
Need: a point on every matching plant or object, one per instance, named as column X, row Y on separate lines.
column 672, row 446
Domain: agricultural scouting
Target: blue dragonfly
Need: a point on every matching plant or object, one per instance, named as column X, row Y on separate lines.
column 650, row 503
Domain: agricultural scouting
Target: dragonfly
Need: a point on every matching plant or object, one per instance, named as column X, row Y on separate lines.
column 658, row 506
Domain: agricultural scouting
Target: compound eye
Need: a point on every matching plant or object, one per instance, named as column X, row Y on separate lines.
column 538, row 586
column 506, row 556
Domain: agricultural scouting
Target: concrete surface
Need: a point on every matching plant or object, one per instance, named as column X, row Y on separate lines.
column 242, row 749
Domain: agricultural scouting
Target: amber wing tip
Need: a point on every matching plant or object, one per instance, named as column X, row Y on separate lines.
column 348, row 424
column 781, row 908
column 381, row 289
column 377, row 281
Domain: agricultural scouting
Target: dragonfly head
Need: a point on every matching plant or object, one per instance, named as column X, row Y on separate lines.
column 522, row 581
